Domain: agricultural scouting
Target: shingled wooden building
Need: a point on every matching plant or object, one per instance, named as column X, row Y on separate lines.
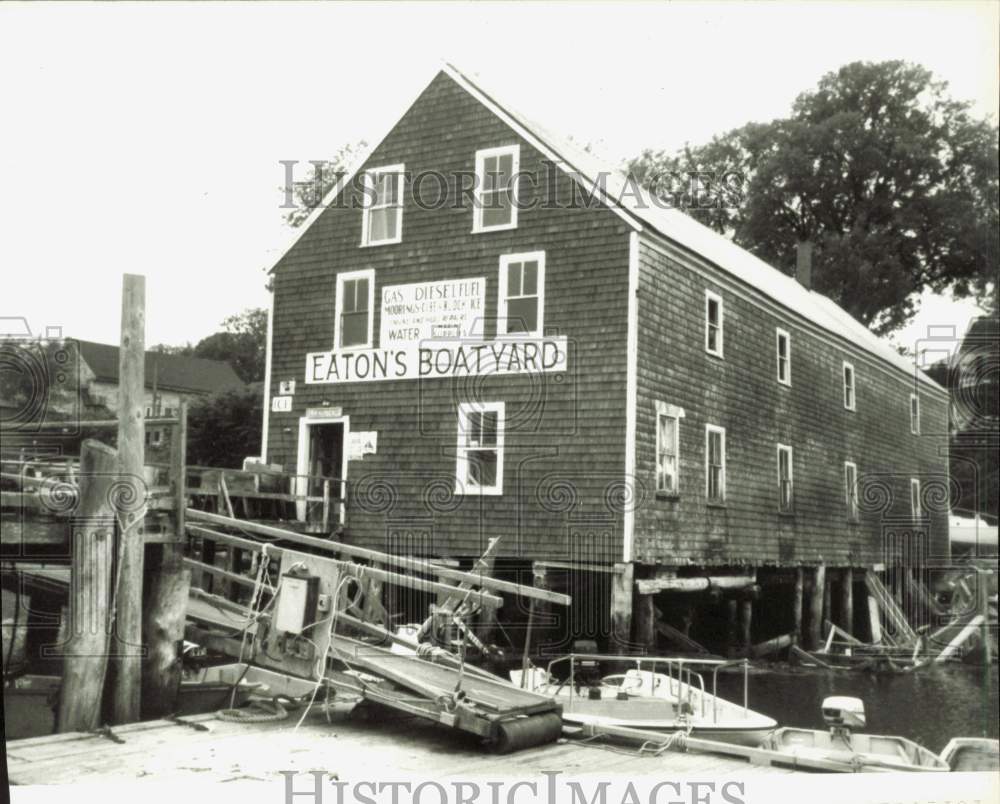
column 551, row 356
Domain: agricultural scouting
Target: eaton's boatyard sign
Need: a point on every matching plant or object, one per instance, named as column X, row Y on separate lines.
column 438, row 359
column 415, row 313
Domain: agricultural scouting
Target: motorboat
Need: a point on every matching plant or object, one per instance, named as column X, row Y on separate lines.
column 972, row 754
column 658, row 694
column 840, row 748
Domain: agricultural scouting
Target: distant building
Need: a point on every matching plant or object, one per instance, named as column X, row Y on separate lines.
column 169, row 380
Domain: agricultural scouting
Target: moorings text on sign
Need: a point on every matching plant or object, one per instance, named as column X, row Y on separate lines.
column 439, row 359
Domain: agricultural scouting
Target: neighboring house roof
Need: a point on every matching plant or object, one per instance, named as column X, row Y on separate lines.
column 634, row 204
column 172, row 372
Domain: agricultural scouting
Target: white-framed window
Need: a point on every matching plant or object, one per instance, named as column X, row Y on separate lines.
column 851, row 490
column 786, row 489
column 154, row 437
column 479, row 469
column 914, row 414
column 715, row 463
column 494, row 196
column 714, row 330
column 668, row 447
column 355, row 301
column 521, row 302
column 382, row 209
column 915, row 509
column 783, row 356
column 849, row 397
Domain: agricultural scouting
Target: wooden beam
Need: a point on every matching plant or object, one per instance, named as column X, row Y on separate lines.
column 131, row 459
column 85, row 661
column 348, row 567
column 621, row 607
column 414, row 564
column 774, row 645
column 649, row 586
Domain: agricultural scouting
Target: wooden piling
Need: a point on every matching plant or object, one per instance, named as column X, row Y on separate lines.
column 797, row 603
column 645, row 622
column 131, row 459
column 746, row 625
column 847, row 600
column 816, row 607
column 621, row 607
column 732, row 624
column 166, row 603
column 983, row 599
column 89, row 616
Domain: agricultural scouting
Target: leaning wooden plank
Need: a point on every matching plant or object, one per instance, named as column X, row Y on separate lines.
column 805, row 656
column 448, row 606
column 679, row 638
column 413, row 564
column 356, row 570
column 772, row 645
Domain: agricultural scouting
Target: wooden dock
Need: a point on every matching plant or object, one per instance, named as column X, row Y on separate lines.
column 202, row 749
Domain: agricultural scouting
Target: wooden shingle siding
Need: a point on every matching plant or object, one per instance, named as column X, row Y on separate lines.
column 564, row 459
column 741, row 393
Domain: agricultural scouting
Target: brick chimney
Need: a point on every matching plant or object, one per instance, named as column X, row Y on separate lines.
column 804, row 263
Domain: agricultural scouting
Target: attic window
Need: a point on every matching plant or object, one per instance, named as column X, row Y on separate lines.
column 849, row 401
column 914, row 414
column 382, row 208
column 783, row 347
column 494, row 197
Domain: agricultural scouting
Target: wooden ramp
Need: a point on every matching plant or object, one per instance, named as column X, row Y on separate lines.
column 202, row 749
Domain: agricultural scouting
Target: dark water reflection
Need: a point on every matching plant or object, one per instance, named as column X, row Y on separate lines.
column 929, row 706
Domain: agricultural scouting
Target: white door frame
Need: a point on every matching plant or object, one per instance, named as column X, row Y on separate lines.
column 302, row 465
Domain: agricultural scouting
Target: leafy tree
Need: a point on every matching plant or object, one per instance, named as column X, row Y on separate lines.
column 323, row 175
column 225, row 429
column 895, row 183
column 243, row 342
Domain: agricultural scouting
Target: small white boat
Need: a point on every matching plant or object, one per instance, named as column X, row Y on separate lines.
column 657, row 694
column 972, row 754
column 841, row 749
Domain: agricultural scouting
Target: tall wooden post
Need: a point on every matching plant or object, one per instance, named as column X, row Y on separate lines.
column 732, row 625
column 847, row 600
column 645, row 622
column 131, row 459
column 816, row 607
column 983, row 595
column 166, row 603
column 85, row 652
column 746, row 625
column 621, row 606
column 797, row 603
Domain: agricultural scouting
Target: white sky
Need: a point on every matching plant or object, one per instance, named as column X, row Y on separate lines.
column 146, row 138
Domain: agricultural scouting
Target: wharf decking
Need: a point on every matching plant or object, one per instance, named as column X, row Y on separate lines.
column 353, row 746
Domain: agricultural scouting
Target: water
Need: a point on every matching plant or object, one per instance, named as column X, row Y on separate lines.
column 929, row 706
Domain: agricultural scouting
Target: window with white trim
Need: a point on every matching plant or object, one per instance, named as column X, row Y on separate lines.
column 480, row 448
column 355, row 300
column 382, row 211
column 783, row 356
column 715, row 464
column 668, row 447
column 494, row 196
column 849, row 400
column 786, row 492
column 851, row 490
column 915, row 509
column 713, row 323
column 914, row 414
column 521, row 302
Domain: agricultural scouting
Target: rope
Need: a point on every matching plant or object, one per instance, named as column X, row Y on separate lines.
column 267, row 712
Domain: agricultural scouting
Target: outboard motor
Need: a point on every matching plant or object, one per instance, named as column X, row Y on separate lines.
column 842, row 713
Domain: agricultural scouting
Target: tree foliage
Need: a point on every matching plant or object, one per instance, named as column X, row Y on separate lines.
column 242, row 342
column 225, row 429
column 323, row 176
column 894, row 182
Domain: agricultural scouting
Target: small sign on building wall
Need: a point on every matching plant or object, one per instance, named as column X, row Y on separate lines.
column 286, row 387
column 281, row 404
column 361, row 443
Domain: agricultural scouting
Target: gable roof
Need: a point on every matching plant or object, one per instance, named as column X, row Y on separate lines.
column 172, row 372
column 633, row 203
